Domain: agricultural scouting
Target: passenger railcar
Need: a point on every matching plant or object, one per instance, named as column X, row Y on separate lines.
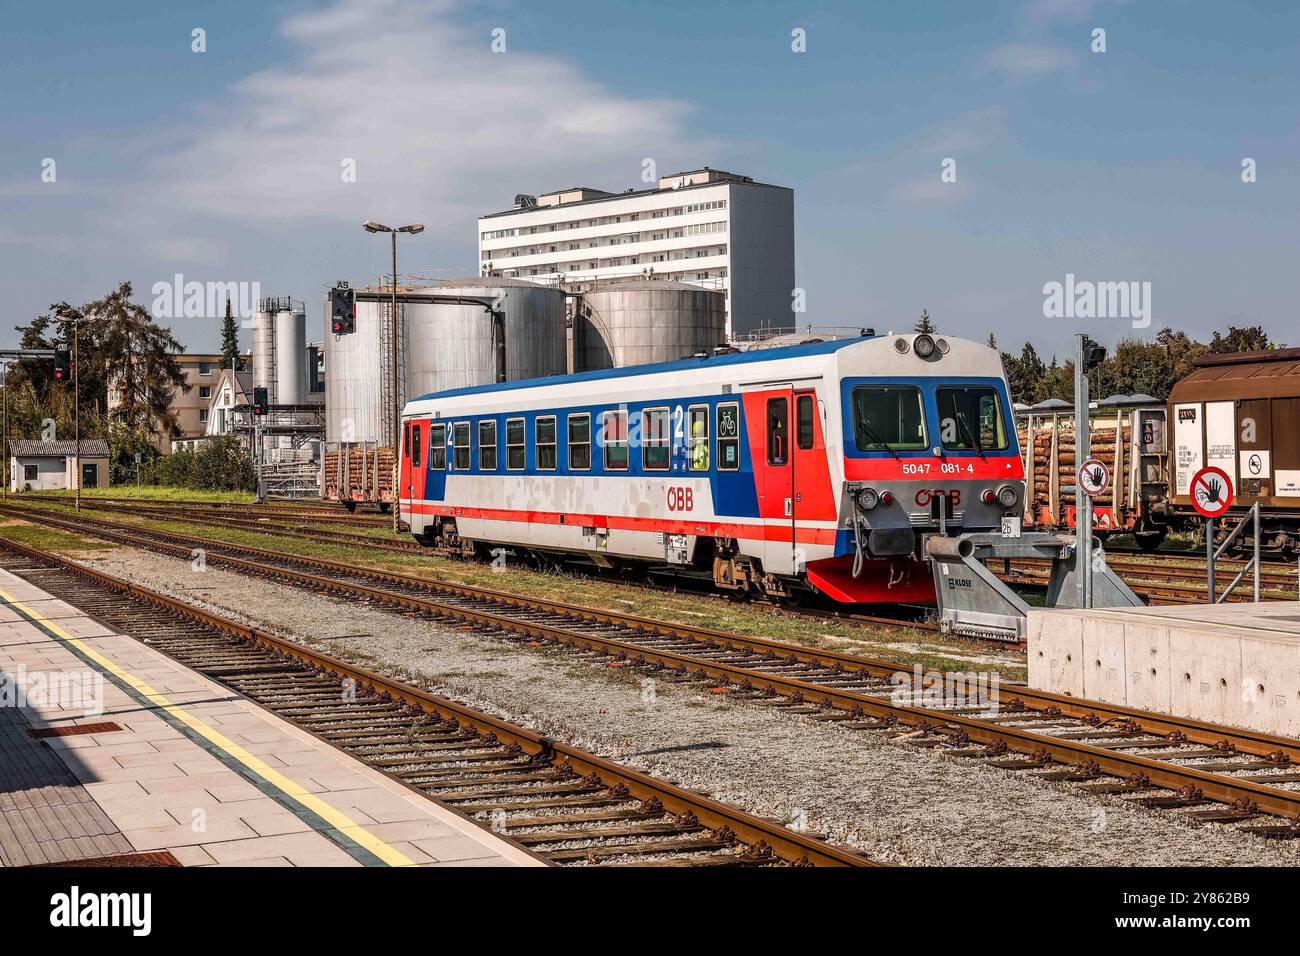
column 818, row 466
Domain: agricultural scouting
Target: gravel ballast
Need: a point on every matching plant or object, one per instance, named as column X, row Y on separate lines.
column 897, row 803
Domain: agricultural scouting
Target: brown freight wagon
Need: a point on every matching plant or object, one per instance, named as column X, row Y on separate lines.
column 1240, row 413
column 1128, row 436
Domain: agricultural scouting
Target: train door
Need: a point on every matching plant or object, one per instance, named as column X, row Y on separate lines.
column 1255, row 448
column 808, row 469
column 776, row 465
column 411, row 480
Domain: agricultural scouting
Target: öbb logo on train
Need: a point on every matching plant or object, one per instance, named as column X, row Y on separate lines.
column 681, row 499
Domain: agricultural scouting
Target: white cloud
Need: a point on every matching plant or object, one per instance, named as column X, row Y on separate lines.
column 1030, row 59
column 440, row 127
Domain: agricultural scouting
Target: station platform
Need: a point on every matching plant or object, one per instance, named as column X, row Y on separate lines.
column 112, row 754
column 1235, row 664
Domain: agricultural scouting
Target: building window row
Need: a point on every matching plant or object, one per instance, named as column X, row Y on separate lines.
column 604, row 220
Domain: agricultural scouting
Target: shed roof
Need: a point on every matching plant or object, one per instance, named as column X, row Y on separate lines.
column 1250, row 375
column 28, row 448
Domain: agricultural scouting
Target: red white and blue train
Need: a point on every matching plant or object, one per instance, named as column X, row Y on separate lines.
column 814, row 467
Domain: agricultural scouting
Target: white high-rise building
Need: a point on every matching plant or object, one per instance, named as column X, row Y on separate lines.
column 706, row 227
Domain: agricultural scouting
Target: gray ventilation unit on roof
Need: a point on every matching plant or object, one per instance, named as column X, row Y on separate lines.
column 525, row 201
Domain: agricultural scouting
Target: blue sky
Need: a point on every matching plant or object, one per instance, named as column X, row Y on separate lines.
column 225, row 165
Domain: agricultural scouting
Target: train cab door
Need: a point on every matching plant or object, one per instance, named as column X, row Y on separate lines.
column 774, row 463
column 411, row 478
column 809, row 481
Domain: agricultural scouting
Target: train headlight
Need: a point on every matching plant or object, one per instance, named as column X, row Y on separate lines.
column 1008, row 496
column 988, row 497
column 867, row 498
column 923, row 346
column 886, row 497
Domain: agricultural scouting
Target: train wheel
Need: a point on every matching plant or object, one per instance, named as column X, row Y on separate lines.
column 351, row 506
column 385, row 507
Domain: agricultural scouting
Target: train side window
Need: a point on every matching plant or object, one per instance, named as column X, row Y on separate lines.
column 728, row 430
column 614, row 440
column 778, row 431
column 656, row 436
column 580, row 442
column 803, row 408
column 544, row 438
column 460, row 446
column 437, row 447
column 406, row 440
column 514, row 444
column 697, row 438
column 487, row 446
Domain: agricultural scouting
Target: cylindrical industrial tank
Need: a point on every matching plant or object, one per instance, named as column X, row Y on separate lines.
column 456, row 345
column 290, row 357
column 263, row 349
column 353, row 409
column 636, row 322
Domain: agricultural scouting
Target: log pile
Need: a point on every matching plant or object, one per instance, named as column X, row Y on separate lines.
column 1054, row 466
column 358, row 472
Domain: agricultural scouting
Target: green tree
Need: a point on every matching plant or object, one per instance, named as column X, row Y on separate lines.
column 1025, row 375
column 230, row 357
column 923, row 324
column 1251, row 338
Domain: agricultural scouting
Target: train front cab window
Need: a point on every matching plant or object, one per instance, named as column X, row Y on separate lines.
column 614, row 440
column 515, row 448
column 580, row 442
column 460, row 446
column 728, row 432
column 487, row 446
column 656, row 438
column 970, row 419
column 888, row 418
column 697, row 438
column 437, row 448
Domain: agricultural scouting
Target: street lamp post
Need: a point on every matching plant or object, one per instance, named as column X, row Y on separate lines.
column 372, row 227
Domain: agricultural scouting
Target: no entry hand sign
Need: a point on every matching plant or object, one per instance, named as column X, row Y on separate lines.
column 1211, row 492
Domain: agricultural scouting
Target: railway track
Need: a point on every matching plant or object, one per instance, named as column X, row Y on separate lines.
column 407, row 546
column 566, row 805
column 1161, row 761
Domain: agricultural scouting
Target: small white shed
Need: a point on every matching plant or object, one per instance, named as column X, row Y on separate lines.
column 50, row 465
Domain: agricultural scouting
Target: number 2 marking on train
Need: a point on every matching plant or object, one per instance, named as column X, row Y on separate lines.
column 681, row 499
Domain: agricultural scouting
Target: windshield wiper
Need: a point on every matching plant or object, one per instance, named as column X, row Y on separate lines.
column 973, row 436
column 874, row 438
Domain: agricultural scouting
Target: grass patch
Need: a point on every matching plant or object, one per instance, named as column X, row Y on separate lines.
column 158, row 493
column 50, row 539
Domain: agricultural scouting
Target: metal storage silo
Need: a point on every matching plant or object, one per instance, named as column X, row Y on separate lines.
column 263, row 350
column 453, row 344
column 354, row 409
column 290, row 356
column 636, row 322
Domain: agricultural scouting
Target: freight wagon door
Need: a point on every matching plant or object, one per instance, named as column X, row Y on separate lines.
column 1254, row 449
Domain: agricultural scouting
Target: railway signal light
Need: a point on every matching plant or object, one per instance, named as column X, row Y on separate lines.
column 1093, row 354
column 260, row 404
column 62, row 365
column 343, row 310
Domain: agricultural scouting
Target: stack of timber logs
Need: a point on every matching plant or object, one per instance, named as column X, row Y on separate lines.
column 1051, row 468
